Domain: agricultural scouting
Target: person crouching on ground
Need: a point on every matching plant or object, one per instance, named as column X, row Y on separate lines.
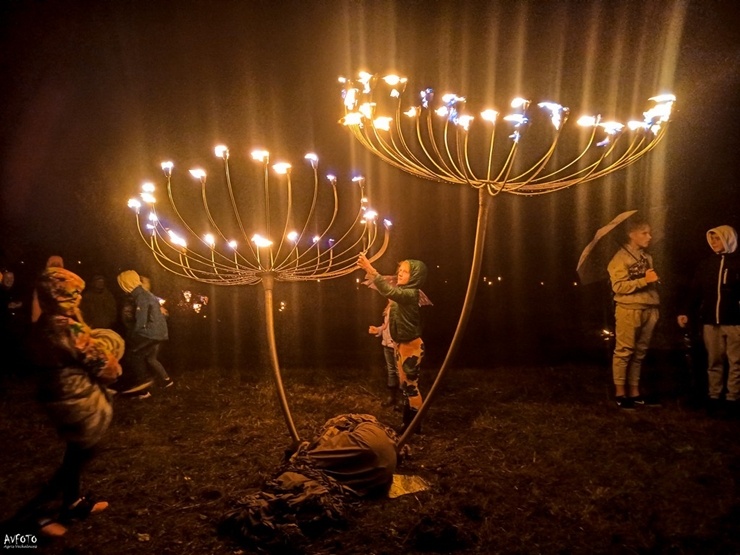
column 74, row 368
column 633, row 281
column 405, row 326
column 148, row 330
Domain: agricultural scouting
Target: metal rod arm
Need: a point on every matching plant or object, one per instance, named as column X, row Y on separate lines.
column 268, row 281
column 484, row 203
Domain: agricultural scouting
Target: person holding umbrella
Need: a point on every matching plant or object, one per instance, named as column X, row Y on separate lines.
column 634, row 284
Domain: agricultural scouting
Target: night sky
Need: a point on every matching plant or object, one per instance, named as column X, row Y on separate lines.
column 97, row 94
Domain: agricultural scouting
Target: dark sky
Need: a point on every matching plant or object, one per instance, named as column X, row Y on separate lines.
column 96, row 94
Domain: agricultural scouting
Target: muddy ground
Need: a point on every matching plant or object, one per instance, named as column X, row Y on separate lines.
column 533, row 459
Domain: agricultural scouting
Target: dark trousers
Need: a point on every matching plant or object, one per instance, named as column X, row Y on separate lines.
column 66, row 480
column 144, row 360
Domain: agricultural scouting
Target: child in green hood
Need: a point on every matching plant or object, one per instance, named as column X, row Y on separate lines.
column 405, row 326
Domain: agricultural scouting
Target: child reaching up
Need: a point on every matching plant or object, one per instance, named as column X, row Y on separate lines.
column 404, row 320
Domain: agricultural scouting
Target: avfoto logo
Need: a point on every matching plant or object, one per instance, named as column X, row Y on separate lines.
column 20, row 540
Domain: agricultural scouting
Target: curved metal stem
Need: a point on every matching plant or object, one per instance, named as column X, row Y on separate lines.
column 484, row 203
column 268, row 281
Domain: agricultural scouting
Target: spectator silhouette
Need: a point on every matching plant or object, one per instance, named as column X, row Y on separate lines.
column 53, row 261
column 13, row 320
column 99, row 305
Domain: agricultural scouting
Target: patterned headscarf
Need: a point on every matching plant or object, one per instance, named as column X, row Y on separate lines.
column 60, row 292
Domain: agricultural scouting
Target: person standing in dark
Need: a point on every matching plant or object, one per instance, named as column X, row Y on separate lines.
column 634, row 284
column 13, row 321
column 75, row 366
column 389, row 356
column 405, row 326
column 715, row 300
column 99, row 305
column 146, row 331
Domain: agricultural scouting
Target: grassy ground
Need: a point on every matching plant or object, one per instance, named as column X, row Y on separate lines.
column 520, row 460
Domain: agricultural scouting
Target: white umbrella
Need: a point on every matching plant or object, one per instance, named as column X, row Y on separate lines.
column 597, row 254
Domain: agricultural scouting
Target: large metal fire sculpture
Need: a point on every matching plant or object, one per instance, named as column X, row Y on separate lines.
column 531, row 151
column 229, row 254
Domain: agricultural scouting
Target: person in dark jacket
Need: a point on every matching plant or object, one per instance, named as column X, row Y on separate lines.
column 99, row 305
column 715, row 299
column 75, row 365
column 405, row 326
column 147, row 330
column 13, row 323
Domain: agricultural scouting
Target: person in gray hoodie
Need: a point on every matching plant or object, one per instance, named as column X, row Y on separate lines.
column 715, row 299
column 634, row 284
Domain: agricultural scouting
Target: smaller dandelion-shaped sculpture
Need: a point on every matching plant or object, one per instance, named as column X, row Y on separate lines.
column 234, row 251
column 530, row 151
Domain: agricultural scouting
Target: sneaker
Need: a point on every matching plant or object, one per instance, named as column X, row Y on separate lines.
column 82, row 508
column 51, row 529
column 137, row 388
column 637, row 401
column 652, row 401
column 624, row 402
column 169, row 382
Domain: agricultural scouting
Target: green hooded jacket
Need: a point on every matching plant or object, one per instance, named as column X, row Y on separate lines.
column 404, row 318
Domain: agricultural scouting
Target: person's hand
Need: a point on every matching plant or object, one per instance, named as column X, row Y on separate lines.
column 364, row 263
column 651, row 276
column 682, row 320
column 374, row 330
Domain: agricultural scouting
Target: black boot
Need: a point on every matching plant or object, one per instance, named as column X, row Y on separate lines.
column 392, row 397
column 408, row 415
column 406, row 418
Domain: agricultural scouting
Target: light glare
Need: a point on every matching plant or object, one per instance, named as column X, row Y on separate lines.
column 261, row 156
column 281, row 167
column 261, row 242
column 489, row 115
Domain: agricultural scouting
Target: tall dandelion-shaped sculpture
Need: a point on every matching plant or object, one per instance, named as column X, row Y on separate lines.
column 530, row 151
column 236, row 251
